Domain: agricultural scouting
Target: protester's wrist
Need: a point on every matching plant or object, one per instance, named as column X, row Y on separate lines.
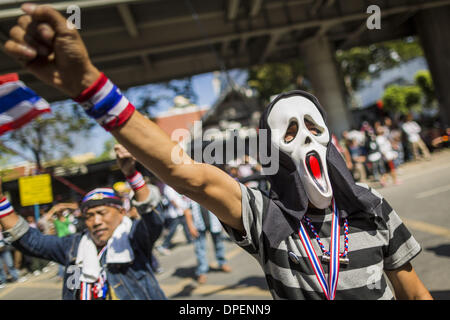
column 5, row 207
column 103, row 101
column 129, row 172
column 89, row 76
column 136, row 180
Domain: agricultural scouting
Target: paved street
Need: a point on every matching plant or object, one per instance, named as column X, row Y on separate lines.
column 422, row 200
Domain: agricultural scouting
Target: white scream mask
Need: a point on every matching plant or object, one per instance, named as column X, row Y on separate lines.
column 307, row 150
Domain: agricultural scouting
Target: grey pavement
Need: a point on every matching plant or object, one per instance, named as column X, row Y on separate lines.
column 422, row 201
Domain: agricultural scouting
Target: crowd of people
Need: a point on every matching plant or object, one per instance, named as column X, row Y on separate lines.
column 60, row 220
column 375, row 151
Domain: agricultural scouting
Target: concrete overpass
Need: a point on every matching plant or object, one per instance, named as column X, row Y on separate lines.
column 141, row 41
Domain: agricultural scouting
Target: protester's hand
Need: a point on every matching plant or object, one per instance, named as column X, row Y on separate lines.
column 51, row 49
column 58, row 208
column 125, row 161
column 133, row 213
column 349, row 165
column 193, row 231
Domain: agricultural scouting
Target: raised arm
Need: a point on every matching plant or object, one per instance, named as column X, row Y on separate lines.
column 59, row 207
column 203, row 183
column 56, row 54
column 127, row 164
column 8, row 217
column 29, row 240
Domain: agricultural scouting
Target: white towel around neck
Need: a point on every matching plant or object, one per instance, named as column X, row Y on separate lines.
column 118, row 251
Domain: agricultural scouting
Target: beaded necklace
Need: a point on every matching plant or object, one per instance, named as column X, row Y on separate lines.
column 343, row 256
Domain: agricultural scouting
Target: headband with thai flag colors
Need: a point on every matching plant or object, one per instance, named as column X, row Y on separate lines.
column 100, row 197
column 104, row 102
column 18, row 103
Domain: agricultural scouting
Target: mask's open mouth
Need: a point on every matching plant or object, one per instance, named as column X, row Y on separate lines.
column 315, row 169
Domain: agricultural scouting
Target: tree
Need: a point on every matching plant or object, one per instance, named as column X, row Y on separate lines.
column 424, row 81
column 402, row 99
column 50, row 136
column 358, row 64
column 5, row 154
column 363, row 63
column 148, row 98
column 273, row 78
column 108, row 151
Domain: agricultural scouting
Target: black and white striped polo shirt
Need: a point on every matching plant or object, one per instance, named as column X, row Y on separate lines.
column 375, row 244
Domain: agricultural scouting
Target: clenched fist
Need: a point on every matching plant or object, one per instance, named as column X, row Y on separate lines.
column 45, row 44
column 125, row 161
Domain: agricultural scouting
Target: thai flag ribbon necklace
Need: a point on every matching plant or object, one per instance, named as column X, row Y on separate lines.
column 98, row 290
column 332, row 256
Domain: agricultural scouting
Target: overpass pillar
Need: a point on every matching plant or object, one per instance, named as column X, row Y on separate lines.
column 433, row 27
column 322, row 71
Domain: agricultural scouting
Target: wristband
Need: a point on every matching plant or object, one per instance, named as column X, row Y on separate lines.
column 136, row 181
column 5, row 208
column 104, row 102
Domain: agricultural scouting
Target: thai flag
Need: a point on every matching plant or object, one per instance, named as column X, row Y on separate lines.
column 18, row 104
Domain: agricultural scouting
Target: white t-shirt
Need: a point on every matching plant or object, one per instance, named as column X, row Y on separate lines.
column 358, row 136
column 412, row 129
column 386, row 148
column 245, row 170
column 173, row 196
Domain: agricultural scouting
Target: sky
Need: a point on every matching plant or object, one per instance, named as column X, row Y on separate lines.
column 203, row 88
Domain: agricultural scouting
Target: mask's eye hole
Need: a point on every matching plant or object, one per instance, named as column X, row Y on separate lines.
column 291, row 131
column 312, row 126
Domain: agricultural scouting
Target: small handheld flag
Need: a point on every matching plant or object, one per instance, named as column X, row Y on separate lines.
column 18, row 103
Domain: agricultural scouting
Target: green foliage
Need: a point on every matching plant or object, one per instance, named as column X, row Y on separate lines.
column 413, row 97
column 4, row 173
column 406, row 49
column 358, row 64
column 402, row 99
column 273, row 78
column 107, row 153
column 50, row 136
column 424, row 81
column 5, row 154
column 363, row 63
column 148, row 97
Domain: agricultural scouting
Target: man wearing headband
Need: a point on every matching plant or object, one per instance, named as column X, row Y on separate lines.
column 109, row 260
column 295, row 233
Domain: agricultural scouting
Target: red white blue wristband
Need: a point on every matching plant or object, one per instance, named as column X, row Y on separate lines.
column 104, row 102
column 136, row 181
column 5, row 208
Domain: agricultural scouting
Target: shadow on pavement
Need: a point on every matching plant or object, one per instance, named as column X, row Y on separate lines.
column 441, row 295
column 441, row 250
column 185, row 272
column 189, row 272
column 185, row 292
